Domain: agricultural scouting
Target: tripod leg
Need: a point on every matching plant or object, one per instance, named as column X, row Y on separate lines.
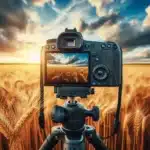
column 94, row 139
column 52, row 139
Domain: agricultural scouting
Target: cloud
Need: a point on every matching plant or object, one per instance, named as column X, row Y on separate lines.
column 109, row 20
column 139, row 38
column 72, row 60
column 25, row 2
column 18, row 23
column 133, row 34
column 128, row 34
column 40, row 3
column 100, row 6
column 145, row 53
column 146, row 22
column 62, row 59
column 32, row 15
column 13, row 19
column 140, row 54
column 82, row 62
column 23, row 24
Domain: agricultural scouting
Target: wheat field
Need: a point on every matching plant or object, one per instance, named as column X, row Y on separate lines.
column 19, row 107
column 67, row 74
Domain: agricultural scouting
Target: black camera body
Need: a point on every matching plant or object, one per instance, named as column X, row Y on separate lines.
column 101, row 60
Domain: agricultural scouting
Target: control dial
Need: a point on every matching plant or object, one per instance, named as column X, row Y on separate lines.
column 100, row 72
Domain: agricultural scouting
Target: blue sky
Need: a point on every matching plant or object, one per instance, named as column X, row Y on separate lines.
column 56, row 15
column 32, row 22
column 130, row 8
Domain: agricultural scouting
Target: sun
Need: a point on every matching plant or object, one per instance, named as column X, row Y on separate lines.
column 33, row 57
column 30, row 54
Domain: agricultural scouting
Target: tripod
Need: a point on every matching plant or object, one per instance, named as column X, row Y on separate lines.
column 73, row 130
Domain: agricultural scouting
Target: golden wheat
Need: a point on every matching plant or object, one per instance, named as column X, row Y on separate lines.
column 19, row 99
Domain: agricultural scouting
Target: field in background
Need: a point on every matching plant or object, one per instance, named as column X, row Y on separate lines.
column 19, row 106
column 67, row 74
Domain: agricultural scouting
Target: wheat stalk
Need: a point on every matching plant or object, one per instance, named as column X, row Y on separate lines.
column 5, row 127
column 28, row 115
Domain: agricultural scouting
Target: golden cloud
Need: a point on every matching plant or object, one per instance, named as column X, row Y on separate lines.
column 41, row 3
column 146, row 22
column 100, row 6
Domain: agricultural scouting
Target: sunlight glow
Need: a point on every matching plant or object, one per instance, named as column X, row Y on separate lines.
column 30, row 54
column 34, row 57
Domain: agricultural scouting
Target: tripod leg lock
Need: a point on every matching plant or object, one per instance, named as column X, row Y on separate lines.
column 53, row 138
column 93, row 138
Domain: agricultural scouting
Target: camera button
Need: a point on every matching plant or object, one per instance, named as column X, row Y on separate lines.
column 109, row 45
column 115, row 46
column 53, row 46
column 87, row 46
column 47, row 47
column 103, row 46
column 94, row 83
column 100, row 72
column 97, row 59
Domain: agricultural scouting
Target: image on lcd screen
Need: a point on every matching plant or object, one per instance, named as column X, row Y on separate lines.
column 67, row 68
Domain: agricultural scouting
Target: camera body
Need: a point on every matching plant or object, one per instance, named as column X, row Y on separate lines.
column 74, row 61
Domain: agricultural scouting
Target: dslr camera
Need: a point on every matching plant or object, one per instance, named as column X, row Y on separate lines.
column 72, row 61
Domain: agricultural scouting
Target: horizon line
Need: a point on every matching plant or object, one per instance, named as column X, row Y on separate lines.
column 22, row 63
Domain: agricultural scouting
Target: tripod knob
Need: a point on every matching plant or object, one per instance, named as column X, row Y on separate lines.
column 59, row 114
column 94, row 113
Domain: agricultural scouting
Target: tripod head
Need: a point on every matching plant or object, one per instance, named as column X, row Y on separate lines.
column 60, row 114
column 72, row 115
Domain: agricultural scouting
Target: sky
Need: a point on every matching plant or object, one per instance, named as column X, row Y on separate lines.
column 25, row 25
column 78, row 59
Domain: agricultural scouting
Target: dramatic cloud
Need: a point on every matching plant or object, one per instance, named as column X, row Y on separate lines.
column 132, row 34
column 18, row 23
column 109, row 20
column 12, row 19
column 128, row 35
column 139, row 38
column 112, row 27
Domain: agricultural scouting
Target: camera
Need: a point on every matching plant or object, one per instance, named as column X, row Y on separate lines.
column 73, row 65
column 70, row 60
